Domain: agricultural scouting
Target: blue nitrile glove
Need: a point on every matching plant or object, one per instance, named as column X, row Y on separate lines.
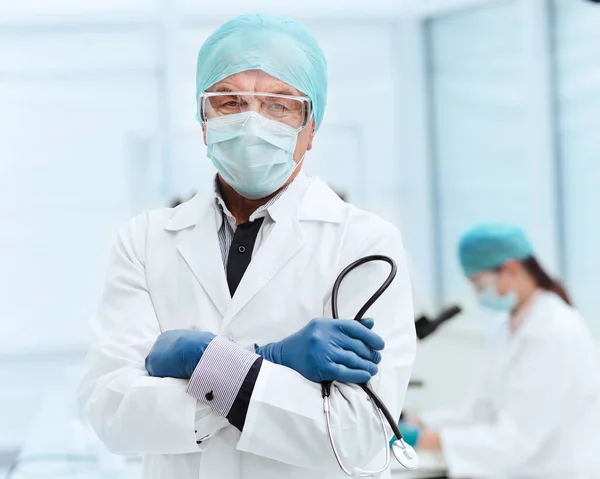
column 410, row 434
column 327, row 349
column 176, row 353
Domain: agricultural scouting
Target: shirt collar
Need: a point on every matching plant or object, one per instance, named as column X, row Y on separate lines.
column 260, row 212
column 305, row 199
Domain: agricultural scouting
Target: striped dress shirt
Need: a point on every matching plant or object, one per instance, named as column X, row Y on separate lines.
column 227, row 227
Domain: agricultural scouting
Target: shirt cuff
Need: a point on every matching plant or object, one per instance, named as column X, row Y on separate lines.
column 220, row 374
column 239, row 410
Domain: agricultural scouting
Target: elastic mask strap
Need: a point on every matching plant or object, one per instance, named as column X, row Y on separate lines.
column 298, row 164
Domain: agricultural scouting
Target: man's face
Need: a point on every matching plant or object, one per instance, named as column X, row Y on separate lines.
column 255, row 81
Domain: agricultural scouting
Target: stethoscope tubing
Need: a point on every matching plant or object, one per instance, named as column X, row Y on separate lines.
column 402, row 451
column 366, row 387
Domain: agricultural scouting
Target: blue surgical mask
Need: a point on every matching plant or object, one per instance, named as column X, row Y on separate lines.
column 254, row 155
column 489, row 298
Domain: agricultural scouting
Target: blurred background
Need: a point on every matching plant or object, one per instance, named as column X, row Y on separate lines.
column 440, row 114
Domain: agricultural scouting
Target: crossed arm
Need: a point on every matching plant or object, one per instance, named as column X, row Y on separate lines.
column 135, row 412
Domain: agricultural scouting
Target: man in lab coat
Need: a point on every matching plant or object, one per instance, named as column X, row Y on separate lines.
column 212, row 335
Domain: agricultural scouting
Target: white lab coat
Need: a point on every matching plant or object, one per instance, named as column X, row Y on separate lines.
column 166, row 272
column 536, row 413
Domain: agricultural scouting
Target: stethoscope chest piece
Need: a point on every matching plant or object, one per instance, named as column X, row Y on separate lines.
column 405, row 454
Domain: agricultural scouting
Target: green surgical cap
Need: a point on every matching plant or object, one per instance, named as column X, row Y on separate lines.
column 489, row 246
column 278, row 46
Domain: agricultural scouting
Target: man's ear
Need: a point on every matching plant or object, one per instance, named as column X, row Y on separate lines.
column 311, row 135
column 204, row 132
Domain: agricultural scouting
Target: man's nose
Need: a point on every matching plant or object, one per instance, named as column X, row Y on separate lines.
column 252, row 105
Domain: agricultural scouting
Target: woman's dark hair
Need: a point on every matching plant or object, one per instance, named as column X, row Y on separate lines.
column 544, row 280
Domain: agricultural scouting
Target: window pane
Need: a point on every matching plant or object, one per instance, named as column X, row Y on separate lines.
column 480, row 120
column 578, row 68
column 65, row 184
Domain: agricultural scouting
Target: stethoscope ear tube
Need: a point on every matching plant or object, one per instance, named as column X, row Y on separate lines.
column 402, row 451
column 359, row 262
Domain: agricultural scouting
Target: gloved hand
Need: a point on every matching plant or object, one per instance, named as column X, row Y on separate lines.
column 326, row 349
column 176, row 353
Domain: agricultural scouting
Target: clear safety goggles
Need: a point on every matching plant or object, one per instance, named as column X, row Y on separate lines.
column 294, row 111
column 485, row 280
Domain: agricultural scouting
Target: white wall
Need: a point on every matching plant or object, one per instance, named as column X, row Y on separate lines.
column 71, row 102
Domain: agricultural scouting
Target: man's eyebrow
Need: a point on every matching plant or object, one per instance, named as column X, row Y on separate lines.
column 222, row 89
column 285, row 91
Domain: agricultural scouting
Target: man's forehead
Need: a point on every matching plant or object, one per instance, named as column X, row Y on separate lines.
column 254, row 80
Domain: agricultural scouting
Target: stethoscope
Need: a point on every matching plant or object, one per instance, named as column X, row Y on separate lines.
column 403, row 453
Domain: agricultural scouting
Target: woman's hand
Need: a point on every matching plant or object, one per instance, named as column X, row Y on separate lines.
column 429, row 440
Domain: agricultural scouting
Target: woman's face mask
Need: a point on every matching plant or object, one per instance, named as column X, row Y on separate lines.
column 486, row 288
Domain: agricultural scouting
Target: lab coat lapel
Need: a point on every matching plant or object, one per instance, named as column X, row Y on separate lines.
column 512, row 345
column 196, row 226
column 530, row 321
column 283, row 243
